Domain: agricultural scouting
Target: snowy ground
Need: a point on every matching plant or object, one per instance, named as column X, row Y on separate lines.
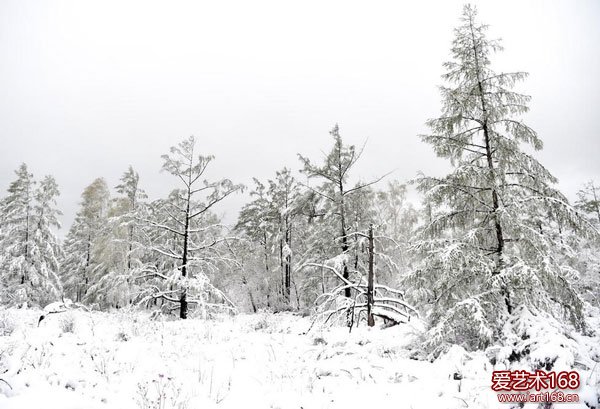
column 125, row 360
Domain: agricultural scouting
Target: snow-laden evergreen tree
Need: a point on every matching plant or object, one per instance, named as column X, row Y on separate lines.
column 16, row 236
column 255, row 224
column 344, row 270
column 588, row 202
column 46, row 250
column 588, row 255
column 335, row 192
column 29, row 247
column 123, row 246
column 130, row 204
column 493, row 248
column 285, row 192
column 188, row 236
column 269, row 221
column 83, row 265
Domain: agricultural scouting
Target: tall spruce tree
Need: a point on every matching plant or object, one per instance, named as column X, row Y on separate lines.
column 493, row 246
column 82, row 265
column 29, row 247
column 15, row 242
column 46, row 250
column 122, row 249
column 132, row 194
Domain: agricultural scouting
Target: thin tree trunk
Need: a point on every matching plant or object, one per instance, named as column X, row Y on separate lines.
column 370, row 298
column 345, row 246
column 288, row 263
column 282, row 268
column 24, row 273
column 183, row 304
column 130, row 248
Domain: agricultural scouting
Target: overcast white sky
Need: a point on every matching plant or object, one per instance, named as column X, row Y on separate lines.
column 87, row 88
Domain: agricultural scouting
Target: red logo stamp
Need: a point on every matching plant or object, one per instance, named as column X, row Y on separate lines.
column 539, row 380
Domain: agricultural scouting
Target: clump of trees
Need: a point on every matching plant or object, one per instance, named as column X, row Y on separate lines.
column 29, row 247
column 127, row 250
column 306, row 239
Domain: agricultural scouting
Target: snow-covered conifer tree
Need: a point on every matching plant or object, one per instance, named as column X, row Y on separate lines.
column 82, row 265
column 588, row 254
column 29, row 247
column 493, row 246
column 588, row 202
column 188, row 234
column 335, row 191
column 130, row 206
column 269, row 221
column 122, row 248
column 46, row 250
column 284, row 191
column 256, row 223
column 16, row 237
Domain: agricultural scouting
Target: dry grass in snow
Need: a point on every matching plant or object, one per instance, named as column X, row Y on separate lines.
column 78, row 359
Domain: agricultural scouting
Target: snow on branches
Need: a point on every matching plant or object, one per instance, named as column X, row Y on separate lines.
column 497, row 236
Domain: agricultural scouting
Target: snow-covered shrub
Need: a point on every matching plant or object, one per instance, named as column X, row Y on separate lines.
column 122, row 336
column 535, row 340
column 7, row 323
column 263, row 323
column 464, row 324
column 319, row 341
column 67, row 323
column 538, row 340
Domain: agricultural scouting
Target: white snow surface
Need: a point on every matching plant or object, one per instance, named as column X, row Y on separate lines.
column 79, row 359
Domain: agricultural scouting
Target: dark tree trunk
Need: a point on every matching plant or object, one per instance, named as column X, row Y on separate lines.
column 370, row 298
column 183, row 304
column 345, row 246
column 288, row 264
column 183, row 308
column 282, row 269
column 130, row 249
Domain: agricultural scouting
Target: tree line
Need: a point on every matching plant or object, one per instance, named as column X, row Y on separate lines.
column 489, row 239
